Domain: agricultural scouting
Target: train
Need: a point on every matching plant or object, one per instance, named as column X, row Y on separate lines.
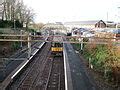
column 57, row 46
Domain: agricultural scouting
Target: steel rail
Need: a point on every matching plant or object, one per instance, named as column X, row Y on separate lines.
column 52, row 72
column 44, row 64
column 25, row 73
column 59, row 84
column 46, row 86
column 22, row 81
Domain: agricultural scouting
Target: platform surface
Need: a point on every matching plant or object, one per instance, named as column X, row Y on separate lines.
column 77, row 76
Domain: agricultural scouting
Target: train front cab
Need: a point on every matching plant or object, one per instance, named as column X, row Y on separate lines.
column 57, row 49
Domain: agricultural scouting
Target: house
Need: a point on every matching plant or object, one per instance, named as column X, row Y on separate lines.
column 100, row 24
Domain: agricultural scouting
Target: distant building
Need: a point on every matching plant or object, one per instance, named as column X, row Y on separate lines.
column 117, row 25
column 82, row 32
column 94, row 24
column 100, row 24
column 110, row 24
column 86, row 24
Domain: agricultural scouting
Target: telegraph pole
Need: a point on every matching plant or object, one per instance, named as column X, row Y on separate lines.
column 21, row 38
column 29, row 45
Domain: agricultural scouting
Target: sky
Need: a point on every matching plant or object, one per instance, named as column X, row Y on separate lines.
column 74, row 10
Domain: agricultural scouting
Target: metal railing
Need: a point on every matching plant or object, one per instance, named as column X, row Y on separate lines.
column 68, row 39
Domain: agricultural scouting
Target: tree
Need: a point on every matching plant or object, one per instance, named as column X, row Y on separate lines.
column 15, row 10
column 28, row 17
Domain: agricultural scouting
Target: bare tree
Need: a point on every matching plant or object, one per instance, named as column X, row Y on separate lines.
column 28, row 17
column 16, row 10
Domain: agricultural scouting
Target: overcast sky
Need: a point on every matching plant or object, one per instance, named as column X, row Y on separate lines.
column 74, row 10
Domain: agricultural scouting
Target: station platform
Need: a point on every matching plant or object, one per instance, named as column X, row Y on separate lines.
column 76, row 75
column 16, row 66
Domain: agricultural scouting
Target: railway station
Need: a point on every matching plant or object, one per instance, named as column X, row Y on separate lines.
column 59, row 45
column 48, row 61
column 46, row 65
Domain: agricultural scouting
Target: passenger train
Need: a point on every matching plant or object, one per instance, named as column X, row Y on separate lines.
column 57, row 46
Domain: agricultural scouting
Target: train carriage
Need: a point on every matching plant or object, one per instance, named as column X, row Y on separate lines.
column 57, row 46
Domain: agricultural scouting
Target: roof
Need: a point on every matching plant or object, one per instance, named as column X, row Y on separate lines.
column 110, row 22
column 80, row 29
column 92, row 22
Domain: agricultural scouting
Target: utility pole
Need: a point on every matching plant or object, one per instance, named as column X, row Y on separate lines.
column 14, row 24
column 29, row 45
column 21, row 38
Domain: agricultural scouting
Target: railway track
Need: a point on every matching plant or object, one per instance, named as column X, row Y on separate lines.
column 55, row 79
column 22, row 52
column 52, row 77
column 26, row 80
column 43, row 73
column 29, row 80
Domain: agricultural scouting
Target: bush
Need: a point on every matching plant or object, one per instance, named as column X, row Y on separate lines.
column 10, row 24
column 69, row 34
column 18, row 24
column 16, row 45
column 103, row 58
